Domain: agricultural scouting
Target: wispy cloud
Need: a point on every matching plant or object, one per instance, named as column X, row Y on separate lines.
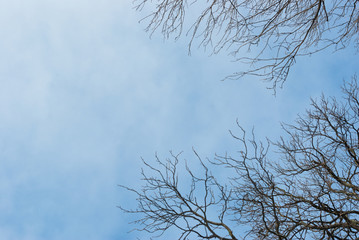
column 84, row 93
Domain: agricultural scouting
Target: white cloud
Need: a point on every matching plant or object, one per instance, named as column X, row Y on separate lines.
column 84, row 93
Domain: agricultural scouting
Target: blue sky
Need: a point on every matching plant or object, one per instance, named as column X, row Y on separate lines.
column 85, row 93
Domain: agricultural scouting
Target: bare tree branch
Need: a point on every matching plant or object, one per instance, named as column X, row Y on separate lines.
column 307, row 189
column 274, row 33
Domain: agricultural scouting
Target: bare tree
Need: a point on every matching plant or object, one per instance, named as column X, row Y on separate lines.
column 307, row 189
column 277, row 31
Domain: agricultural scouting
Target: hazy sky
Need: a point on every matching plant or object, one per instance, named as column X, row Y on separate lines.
column 85, row 93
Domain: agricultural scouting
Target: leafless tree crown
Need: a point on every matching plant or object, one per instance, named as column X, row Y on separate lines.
column 307, row 189
column 278, row 31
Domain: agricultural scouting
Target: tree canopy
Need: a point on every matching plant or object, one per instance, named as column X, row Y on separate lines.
column 275, row 33
column 307, row 187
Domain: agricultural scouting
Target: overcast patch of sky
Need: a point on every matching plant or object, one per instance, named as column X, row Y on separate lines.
column 85, row 93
